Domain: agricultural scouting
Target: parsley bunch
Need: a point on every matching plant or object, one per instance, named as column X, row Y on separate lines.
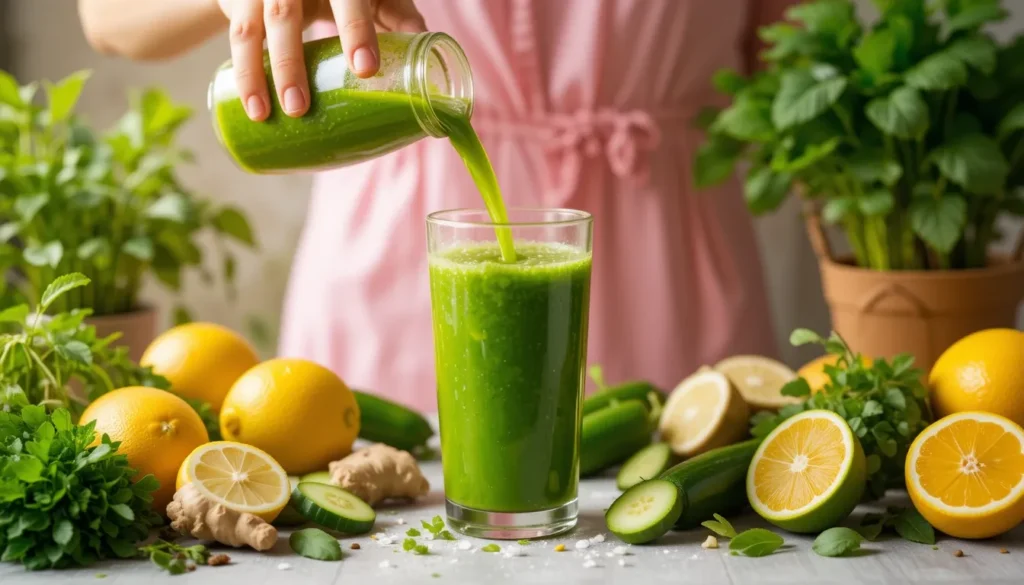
column 885, row 404
column 65, row 501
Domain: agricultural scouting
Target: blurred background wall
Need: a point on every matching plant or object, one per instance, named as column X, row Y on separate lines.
column 43, row 40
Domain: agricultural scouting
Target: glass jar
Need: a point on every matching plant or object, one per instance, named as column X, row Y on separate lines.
column 424, row 81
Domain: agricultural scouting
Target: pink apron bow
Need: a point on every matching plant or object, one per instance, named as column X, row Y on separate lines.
column 626, row 138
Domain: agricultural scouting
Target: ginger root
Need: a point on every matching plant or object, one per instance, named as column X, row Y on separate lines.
column 379, row 472
column 193, row 513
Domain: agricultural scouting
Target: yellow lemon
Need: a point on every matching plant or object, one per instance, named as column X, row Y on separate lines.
column 814, row 371
column 201, row 360
column 157, row 431
column 703, row 412
column 965, row 474
column 759, row 380
column 241, row 477
column 298, row 411
column 983, row 371
column 808, row 474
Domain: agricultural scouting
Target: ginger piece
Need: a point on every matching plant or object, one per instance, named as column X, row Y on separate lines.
column 193, row 513
column 380, row 472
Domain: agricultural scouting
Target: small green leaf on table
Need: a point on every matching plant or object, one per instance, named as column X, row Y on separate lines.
column 913, row 527
column 836, row 542
column 720, row 526
column 491, row 548
column 756, row 542
column 314, row 543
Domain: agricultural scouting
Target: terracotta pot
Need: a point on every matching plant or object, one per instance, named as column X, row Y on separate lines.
column 138, row 329
column 883, row 313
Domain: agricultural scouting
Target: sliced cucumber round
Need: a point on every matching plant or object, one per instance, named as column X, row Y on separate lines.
column 647, row 463
column 334, row 508
column 318, row 477
column 645, row 512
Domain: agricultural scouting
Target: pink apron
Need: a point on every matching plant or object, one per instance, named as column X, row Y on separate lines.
column 579, row 103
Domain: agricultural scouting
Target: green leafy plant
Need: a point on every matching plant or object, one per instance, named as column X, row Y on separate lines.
column 64, row 500
column 174, row 558
column 885, row 404
column 908, row 133
column 42, row 357
column 109, row 205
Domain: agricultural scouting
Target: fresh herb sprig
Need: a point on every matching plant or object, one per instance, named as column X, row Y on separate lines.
column 906, row 522
column 885, row 403
column 314, row 543
column 174, row 558
column 838, row 541
column 755, row 542
column 437, row 529
column 43, row 355
column 64, row 500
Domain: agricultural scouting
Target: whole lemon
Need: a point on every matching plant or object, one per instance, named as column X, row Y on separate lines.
column 983, row 371
column 814, row 370
column 201, row 360
column 157, row 431
column 299, row 412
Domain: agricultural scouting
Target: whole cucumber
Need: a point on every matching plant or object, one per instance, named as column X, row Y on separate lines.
column 613, row 434
column 637, row 390
column 713, row 482
column 384, row 421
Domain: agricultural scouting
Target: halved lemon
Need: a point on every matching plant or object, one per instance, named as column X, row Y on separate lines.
column 759, row 380
column 965, row 474
column 808, row 474
column 703, row 412
column 241, row 477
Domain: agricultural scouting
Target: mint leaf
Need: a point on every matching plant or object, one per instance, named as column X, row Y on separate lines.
column 491, row 548
column 803, row 336
column 314, row 543
column 837, row 542
column 720, row 526
column 974, row 16
column 756, row 542
column 977, row 51
column 728, row 81
column 876, row 51
column 231, row 222
column 715, row 162
column 1013, row 122
column 408, row 544
column 64, row 95
column 876, row 203
column 15, row 314
column 902, row 113
column 9, row 93
column 412, row 532
column 745, row 120
column 913, row 527
column 797, row 388
column 764, row 190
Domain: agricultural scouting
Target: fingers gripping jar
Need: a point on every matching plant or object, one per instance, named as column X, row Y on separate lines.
column 424, row 82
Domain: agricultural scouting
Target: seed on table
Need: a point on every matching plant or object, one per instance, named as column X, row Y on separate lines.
column 218, row 560
column 1003, row 551
column 355, row 546
column 958, row 553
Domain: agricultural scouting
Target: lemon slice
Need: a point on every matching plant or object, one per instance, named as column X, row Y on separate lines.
column 808, row 474
column 965, row 474
column 759, row 380
column 241, row 477
column 703, row 412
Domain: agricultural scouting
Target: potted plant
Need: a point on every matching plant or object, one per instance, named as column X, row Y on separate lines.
column 108, row 205
column 907, row 135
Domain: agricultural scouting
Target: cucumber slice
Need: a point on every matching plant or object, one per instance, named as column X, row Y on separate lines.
column 645, row 511
column 334, row 508
column 647, row 463
column 318, row 477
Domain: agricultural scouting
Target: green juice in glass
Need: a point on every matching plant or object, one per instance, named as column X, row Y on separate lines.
column 511, row 345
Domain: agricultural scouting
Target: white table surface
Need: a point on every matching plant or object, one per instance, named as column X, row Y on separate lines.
column 677, row 558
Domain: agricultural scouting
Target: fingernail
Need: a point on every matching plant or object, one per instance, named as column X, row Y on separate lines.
column 254, row 107
column 293, row 100
column 364, row 60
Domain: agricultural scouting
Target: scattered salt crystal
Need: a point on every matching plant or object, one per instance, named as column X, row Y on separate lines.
column 695, row 557
column 384, row 565
column 665, row 551
column 622, row 562
column 377, row 535
column 619, row 550
column 400, row 520
column 582, row 544
column 464, row 545
column 513, row 551
column 284, row 566
column 597, row 539
column 609, row 554
column 385, row 540
column 453, row 561
column 589, row 564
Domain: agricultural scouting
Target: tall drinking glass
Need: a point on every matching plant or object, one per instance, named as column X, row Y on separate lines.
column 511, row 344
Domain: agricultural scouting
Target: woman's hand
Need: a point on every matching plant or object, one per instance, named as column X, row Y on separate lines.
column 281, row 23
